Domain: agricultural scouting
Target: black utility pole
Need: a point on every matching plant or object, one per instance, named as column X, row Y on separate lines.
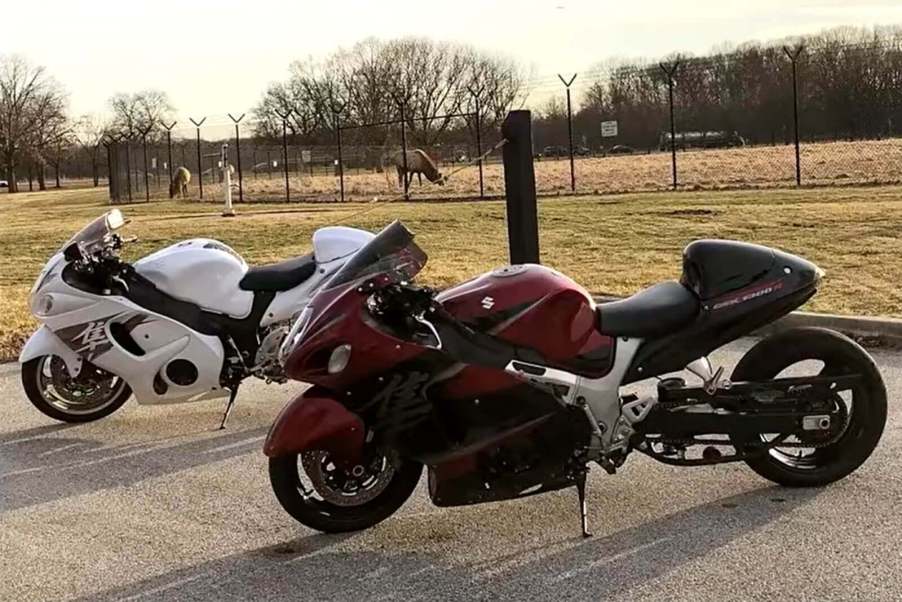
column 794, row 54
column 200, row 166
column 570, row 130
column 669, row 71
column 520, row 188
column 238, row 155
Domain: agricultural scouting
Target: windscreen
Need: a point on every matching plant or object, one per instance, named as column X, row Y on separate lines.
column 392, row 253
column 93, row 234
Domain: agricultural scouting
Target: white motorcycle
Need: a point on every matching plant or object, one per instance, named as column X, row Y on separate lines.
column 186, row 323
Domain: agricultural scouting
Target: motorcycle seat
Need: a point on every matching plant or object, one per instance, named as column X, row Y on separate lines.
column 655, row 311
column 280, row 276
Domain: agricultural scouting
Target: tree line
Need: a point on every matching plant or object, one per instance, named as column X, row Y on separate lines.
column 849, row 86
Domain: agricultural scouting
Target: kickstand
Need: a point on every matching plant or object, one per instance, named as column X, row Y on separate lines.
column 581, row 493
column 228, row 410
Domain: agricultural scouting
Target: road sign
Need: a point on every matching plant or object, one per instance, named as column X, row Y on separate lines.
column 608, row 129
column 305, row 156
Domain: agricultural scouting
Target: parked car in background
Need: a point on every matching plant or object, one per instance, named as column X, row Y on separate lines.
column 4, row 184
column 582, row 151
column 555, row 151
column 621, row 149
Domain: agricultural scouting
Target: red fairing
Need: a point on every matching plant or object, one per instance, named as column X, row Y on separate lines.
column 535, row 307
column 316, row 423
column 373, row 350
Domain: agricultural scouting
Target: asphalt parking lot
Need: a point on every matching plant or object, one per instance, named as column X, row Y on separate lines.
column 153, row 503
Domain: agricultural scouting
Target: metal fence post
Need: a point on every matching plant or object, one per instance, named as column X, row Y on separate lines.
column 570, row 130
column 168, row 129
column 128, row 167
column 336, row 113
column 793, row 55
column 402, row 107
column 200, row 165
column 478, row 115
column 238, row 156
column 669, row 70
column 520, row 188
column 285, row 151
column 146, row 174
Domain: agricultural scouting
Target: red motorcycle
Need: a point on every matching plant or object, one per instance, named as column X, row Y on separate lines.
column 509, row 384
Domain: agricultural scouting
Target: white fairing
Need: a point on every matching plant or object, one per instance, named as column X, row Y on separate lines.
column 202, row 271
column 83, row 322
column 332, row 246
column 152, row 352
column 335, row 242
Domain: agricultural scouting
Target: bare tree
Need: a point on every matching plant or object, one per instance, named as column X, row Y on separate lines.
column 89, row 132
column 432, row 79
column 139, row 112
column 32, row 115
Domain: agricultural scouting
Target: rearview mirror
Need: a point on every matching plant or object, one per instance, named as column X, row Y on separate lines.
column 114, row 220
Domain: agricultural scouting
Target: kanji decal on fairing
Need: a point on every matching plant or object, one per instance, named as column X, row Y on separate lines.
column 92, row 339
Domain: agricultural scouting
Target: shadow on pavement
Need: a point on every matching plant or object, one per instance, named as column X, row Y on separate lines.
column 317, row 567
column 36, row 469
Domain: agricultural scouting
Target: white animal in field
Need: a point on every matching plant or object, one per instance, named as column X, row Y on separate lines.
column 179, row 184
column 419, row 163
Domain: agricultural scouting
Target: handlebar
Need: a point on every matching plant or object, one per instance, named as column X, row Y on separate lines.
column 404, row 299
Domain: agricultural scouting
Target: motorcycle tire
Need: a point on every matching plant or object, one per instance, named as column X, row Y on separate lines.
column 66, row 410
column 328, row 517
column 865, row 419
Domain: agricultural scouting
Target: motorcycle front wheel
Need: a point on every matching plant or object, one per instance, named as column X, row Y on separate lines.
column 92, row 395
column 819, row 459
column 330, row 498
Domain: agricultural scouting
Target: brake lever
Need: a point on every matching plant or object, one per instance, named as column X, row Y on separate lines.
column 429, row 326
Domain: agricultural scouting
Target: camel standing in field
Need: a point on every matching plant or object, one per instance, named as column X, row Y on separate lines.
column 419, row 163
column 179, row 184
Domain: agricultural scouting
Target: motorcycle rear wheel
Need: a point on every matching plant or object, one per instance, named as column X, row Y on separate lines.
column 866, row 404
column 320, row 505
column 92, row 395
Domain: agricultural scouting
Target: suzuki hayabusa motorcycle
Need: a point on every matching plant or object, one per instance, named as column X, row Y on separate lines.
column 188, row 322
column 511, row 384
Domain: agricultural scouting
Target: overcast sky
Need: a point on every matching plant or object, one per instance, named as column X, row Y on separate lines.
column 215, row 57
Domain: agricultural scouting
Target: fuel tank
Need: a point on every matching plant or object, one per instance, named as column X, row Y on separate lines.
column 536, row 307
column 202, row 271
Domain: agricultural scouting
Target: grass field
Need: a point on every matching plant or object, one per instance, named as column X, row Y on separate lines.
column 611, row 244
column 864, row 162
column 861, row 162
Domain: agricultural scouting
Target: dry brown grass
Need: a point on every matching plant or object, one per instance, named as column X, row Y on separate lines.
column 846, row 163
column 612, row 244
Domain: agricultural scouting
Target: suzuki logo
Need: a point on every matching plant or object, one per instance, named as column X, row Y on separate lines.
column 488, row 302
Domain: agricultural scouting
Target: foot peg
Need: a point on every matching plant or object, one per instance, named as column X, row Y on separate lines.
column 581, row 493
column 228, row 410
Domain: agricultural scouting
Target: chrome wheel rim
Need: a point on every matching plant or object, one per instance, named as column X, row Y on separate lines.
column 94, row 389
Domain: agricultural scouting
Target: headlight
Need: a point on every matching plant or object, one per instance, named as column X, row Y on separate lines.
column 339, row 359
column 43, row 305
